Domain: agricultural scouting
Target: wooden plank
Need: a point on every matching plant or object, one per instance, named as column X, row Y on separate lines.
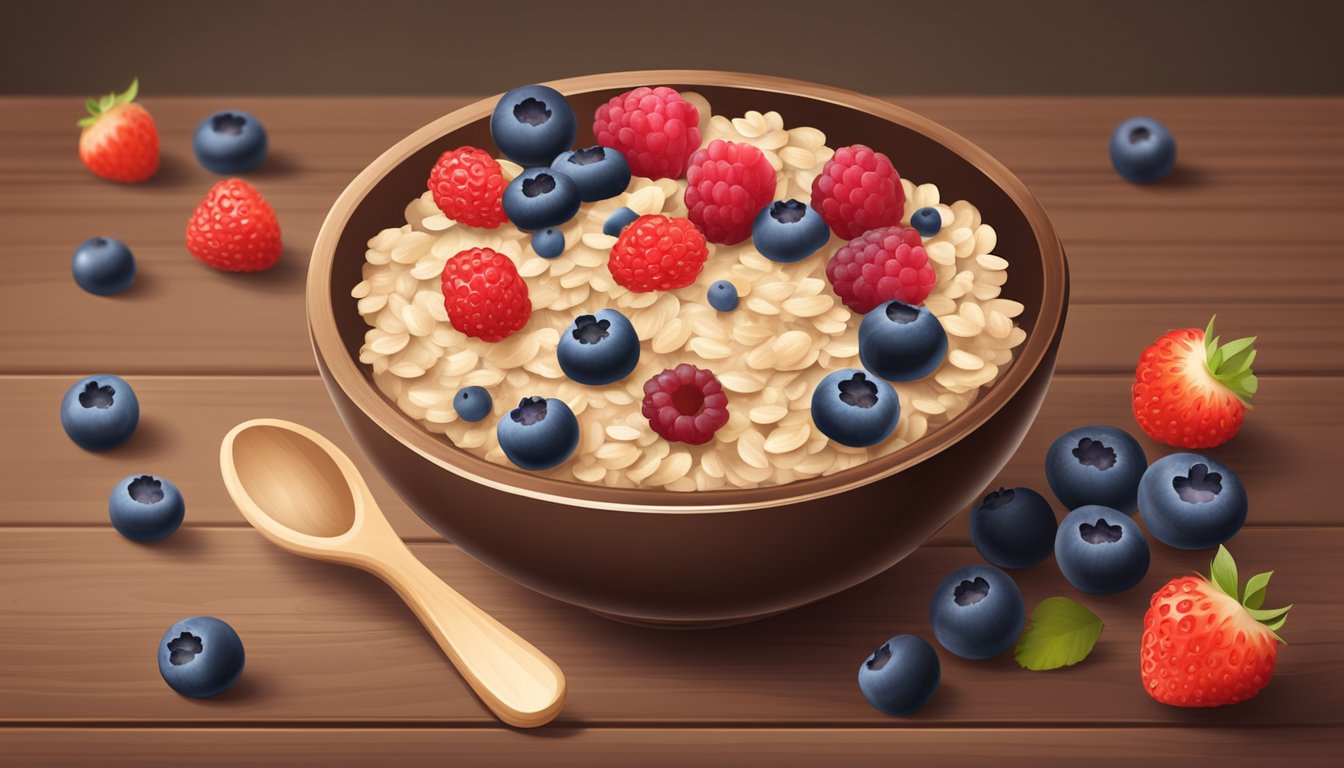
column 667, row 747
column 83, row 610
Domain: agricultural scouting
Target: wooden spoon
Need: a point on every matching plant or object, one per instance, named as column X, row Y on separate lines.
column 306, row 496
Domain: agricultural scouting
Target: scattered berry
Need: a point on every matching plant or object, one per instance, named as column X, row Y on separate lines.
column 234, row 229
column 618, row 220
column 727, row 185
column 533, row 124
column 658, row 253
column 1013, row 528
column 655, row 128
column 484, row 295
column 900, row 676
column 548, row 243
column 100, row 412
column 229, row 142
column 1096, row 465
column 723, row 296
column 685, row 404
column 468, row 186
column 854, row 408
column 858, row 190
column 201, row 657
column 977, row 612
column 473, row 403
column 599, row 348
column 599, row 172
column 145, row 508
column 1142, row 149
column 901, row 342
column 1190, row 501
column 1101, row 550
column 881, row 265
column 539, row 433
column 119, row 140
column 539, row 197
column 1190, row 391
column 926, row 221
column 103, row 266
column 788, row 231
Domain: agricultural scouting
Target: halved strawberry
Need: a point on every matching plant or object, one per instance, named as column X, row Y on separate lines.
column 120, row 141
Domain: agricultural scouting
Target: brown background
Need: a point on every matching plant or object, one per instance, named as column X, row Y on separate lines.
column 425, row 47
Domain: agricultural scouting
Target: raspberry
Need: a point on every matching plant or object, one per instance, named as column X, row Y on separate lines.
column 685, row 404
column 484, row 295
column 468, row 186
column 727, row 185
column 883, row 264
column 658, row 253
column 655, row 128
column 858, row 190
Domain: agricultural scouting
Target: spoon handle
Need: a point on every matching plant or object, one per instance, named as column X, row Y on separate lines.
column 519, row 683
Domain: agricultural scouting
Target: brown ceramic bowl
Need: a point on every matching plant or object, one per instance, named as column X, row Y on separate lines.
column 716, row 557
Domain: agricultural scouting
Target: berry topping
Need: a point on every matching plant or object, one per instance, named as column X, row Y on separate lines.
column 539, row 434
column 858, row 190
column 473, row 403
column 468, row 186
column 881, row 265
column 234, row 229
column 723, row 296
column 548, row 243
column 926, row 221
column 484, row 295
column 618, row 221
column 658, row 253
column 655, row 128
column 788, row 231
column 599, row 172
column 539, row 198
column 853, row 408
column 599, row 348
column 727, row 185
column 685, row 404
column 533, row 124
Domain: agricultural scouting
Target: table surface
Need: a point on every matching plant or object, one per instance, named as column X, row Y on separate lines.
column 340, row 673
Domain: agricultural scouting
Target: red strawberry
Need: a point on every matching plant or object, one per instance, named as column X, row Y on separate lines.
column 234, row 229
column 1189, row 392
column 484, row 294
column 120, row 141
column 468, row 186
column 1203, row 646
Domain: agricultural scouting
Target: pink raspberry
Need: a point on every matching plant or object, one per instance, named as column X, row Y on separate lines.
column 858, row 190
column 685, row 404
column 727, row 185
column 655, row 128
column 883, row 264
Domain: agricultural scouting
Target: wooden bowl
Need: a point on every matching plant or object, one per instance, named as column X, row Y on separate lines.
column 716, row 557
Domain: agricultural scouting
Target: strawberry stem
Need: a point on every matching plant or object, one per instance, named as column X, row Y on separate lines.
column 1230, row 363
column 97, row 107
column 1223, row 574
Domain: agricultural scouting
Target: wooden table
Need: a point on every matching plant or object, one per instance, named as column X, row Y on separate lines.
column 339, row 673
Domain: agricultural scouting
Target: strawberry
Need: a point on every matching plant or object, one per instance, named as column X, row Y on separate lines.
column 1203, row 646
column 1190, row 391
column 234, row 229
column 120, row 141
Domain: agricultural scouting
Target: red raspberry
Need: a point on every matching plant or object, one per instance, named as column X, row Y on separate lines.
column 883, row 264
column 858, row 190
column 685, row 404
column 234, row 229
column 484, row 295
column 727, row 185
column 468, row 186
column 654, row 128
column 658, row 253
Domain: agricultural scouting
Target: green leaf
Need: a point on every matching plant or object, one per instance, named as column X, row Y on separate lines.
column 1255, row 590
column 1268, row 616
column 1233, row 348
column 1060, row 633
column 131, row 92
column 1223, row 572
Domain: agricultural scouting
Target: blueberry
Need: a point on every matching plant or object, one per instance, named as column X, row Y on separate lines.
column 788, row 231
column 854, row 408
column 548, row 243
column 472, row 403
column 599, row 348
column 599, row 172
column 533, row 124
column 145, row 508
column 1190, row 501
column 926, row 221
column 539, row 198
column 230, row 142
column 723, row 296
column 103, row 266
column 900, row 342
column 617, row 221
column 977, row 612
column 201, row 657
column 900, row 676
column 1142, row 149
column 1101, row 550
column 1013, row 528
column 1096, row 465
column 539, row 433
column 100, row 412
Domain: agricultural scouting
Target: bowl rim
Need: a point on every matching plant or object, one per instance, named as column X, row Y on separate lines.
column 344, row 373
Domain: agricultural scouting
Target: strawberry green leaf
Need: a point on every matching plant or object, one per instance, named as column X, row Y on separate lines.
column 1255, row 590
column 1060, row 633
column 1223, row 572
column 1266, row 616
column 130, row 93
column 1230, row 363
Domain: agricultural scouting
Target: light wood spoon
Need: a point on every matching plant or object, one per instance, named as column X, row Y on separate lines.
column 306, row 496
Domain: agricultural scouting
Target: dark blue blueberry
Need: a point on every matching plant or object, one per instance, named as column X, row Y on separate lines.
column 855, row 408
column 145, row 508
column 977, row 612
column 539, row 433
column 900, row 676
column 723, row 296
column 1096, row 465
column 926, row 221
column 788, row 231
column 1101, row 550
column 201, row 657
column 230, row 142
column 100, row 412
column 533, row 124
column 539, row 198
column 1142, row 149
column 472, row 403
column 1190, row 501
column 599, row 172
column 900, row 342
column 103, row 266
column 1013, row 528
column 599, row 348
column 617, row 221
column 548, row 243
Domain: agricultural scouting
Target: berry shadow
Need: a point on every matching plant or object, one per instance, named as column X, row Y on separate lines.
column 152, row 440
column 252, row 688
column 277, row 165
column 285, row 278
column 174, row 170
column 184, row 542
column 147, row 287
